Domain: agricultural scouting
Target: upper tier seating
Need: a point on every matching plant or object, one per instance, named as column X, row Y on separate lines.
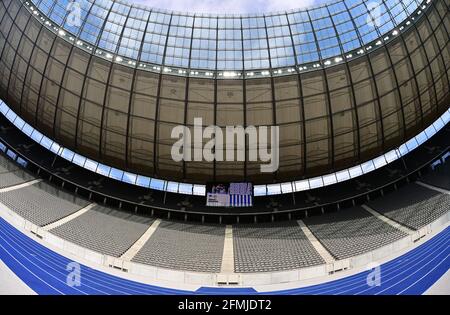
column 6, row 166
column 439, row 177
column 42, row 203
column 104, row 230
column 413, row 206
column 263, row 247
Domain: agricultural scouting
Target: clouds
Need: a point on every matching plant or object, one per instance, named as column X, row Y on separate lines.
column 228, row 6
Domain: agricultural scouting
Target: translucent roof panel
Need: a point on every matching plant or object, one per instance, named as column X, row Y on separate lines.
column 228, row 42
column 229, row 6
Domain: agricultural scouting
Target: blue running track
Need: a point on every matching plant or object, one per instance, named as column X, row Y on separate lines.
column 44, row 271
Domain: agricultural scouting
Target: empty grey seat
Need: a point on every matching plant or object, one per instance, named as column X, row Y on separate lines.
column 192, row 247
column 42, row 203
column 104, row 230
column 352, row 232
column 413, row 206
column 14, row 178
column 440, row 177
column 272, row 247
column 195, row 247
column 6, row 165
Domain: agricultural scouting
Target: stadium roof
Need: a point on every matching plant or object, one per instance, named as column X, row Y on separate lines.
column 229, row 42
column 332, row 115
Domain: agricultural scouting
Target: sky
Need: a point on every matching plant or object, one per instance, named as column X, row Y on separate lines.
column 229, row 6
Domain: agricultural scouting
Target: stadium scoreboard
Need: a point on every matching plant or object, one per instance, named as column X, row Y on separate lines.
column 229, row 195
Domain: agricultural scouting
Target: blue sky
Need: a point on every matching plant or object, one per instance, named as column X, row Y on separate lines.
column 229, row 6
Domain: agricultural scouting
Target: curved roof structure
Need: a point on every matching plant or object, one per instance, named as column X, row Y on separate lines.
column 228, row 42
column 79, row 87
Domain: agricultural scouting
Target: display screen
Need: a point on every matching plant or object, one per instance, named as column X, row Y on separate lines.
column 229, row 195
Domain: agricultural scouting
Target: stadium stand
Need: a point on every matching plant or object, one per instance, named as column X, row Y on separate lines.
column 41, row 203
column 6, row 166
column 260, row 247
column 88, row 115
column 128, row 197
column 11, row 174
column 14, row 178
column 352, row 232
column 272, row 247
column 184, row 246
column 104, row 230
column 413, row 206
column 439, row 177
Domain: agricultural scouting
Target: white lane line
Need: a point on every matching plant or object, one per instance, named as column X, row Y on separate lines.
column 11, row 283
column 12, row 256
column 406, row 268
column 386, row 277
column 71, row 217
column 137, row 246
column 12, row 241
column 392, row 268
column 420, row 255
column 427, row 262
column 442, row 261
column 404, row 264
column 441, row 286
column 54, row 260
column 51, row 259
